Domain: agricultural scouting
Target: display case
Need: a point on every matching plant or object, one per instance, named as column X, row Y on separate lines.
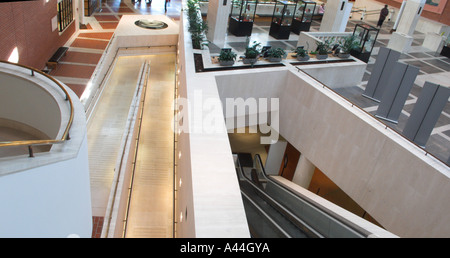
column 283, row 14
column 303, row 16
column 241, row 17
column 366, row 35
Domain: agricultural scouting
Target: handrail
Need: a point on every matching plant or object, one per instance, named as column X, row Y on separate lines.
column 308, row 230
column 263, row 172
column 65, row 135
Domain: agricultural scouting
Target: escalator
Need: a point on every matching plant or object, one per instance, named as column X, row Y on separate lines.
column 273, row 211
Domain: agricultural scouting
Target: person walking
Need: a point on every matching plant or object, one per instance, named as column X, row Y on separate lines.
column 383, row 14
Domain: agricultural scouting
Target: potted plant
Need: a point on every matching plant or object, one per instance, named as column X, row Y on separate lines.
column 227, row 57
column 276, row 54
column 322, row 49
column 346, row 45
column 252, row 53
column 302, row 54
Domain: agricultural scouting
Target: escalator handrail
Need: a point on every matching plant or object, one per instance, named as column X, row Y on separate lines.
column 311, row 232
column 266, row 177
column 281, row 230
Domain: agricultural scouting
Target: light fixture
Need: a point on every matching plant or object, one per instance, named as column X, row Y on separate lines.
column 14, row 57
column 180, row 182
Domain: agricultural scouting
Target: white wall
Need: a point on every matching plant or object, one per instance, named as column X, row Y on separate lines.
column 209, row 194
column 394, row 181
column 49, row 195
column 24, row 101
column 48, row 201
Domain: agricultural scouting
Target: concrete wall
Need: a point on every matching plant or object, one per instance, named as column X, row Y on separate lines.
column 209, row 199
column 389, row 177
column 394, row 181
column 24, row 101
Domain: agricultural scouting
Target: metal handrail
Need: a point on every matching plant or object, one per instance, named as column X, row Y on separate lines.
column 356, row 231
column 387, row 127
column 298, row 222
column 65, row 135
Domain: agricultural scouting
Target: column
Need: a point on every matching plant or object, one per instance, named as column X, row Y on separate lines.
column 336, row 16
column 217, row 18
column 303, row 172
column 402, row 38
column 275, row 157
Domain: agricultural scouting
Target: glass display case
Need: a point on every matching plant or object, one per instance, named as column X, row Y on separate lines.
column 282, row 17
column 241, row 17
column 366, row 35
column 303, row 16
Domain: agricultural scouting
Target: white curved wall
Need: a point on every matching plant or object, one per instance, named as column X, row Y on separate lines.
column 47, row 195
column 23, row 101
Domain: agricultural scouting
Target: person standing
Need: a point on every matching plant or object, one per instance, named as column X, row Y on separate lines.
column 322, row 8
column 383, row 14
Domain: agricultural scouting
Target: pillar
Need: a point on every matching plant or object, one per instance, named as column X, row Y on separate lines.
column 303, row 172
column 402, row 38
column 275, row 157
column 336, row 16
column 217, row 18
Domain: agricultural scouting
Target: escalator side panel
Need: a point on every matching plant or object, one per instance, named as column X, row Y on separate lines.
column 321, row 222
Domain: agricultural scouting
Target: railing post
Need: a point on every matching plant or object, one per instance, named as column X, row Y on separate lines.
column 30, row 151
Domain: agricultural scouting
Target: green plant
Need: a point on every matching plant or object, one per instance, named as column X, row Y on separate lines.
column 348, row 43
column 253, row 51
column 300, row 52
column 276, row 52
column 324, row 46
column 197, row 26
column 227, row 55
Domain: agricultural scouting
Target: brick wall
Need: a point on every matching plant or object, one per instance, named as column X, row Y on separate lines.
column 28, row 26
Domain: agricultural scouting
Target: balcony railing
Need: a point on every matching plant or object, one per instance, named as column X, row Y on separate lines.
column 65, row 135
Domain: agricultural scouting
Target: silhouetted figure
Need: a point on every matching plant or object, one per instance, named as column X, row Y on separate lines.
column 383, row 14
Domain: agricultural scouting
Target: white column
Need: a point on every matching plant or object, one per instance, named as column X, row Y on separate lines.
column 303, row 172
column 275, row 157
column 402, row 38
column 336, row 16
column 217, row 18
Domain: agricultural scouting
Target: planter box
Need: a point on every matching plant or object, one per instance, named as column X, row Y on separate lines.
column 320, row 57
column 226, row 63
column 274, row 59
column 303, row 58
column 250, row 60
column 344, row 55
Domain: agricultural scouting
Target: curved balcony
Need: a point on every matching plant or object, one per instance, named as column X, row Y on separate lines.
column 44, row 173
column 36, row 110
